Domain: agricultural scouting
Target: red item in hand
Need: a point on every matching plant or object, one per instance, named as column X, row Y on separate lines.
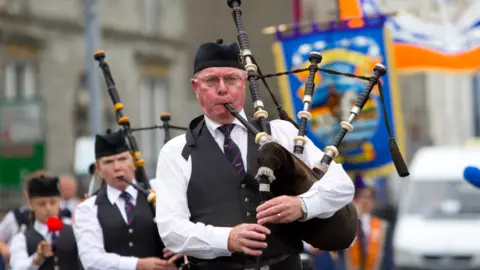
column 54, row 224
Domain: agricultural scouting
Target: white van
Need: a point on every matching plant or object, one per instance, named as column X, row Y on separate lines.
column 438, row 223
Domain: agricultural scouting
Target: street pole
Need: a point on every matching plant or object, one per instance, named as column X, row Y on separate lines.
column 92, row 40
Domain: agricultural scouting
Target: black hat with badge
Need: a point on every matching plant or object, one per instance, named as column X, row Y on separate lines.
column 109, row 144
column 217, row 54
column 43, row 186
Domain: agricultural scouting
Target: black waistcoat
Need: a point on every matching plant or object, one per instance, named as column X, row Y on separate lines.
column 139, row 239
column 218, row 197
column 23, row 218
column 65, row 250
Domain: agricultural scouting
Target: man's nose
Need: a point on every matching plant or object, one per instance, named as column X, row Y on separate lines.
column 49, row 207
column 222, row 88
column 116, row 165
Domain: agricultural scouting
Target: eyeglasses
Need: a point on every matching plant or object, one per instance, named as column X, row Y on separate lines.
column 211, row 81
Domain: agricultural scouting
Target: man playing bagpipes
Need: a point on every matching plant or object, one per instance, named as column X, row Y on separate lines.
column 50, row 243
column 207, row 197
column 372, row 249
column 115, row 227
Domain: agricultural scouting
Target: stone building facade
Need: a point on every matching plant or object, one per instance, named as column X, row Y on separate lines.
column 42, row 56
column 149, row 45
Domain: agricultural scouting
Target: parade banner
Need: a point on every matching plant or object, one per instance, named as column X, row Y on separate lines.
column 365, row 149
column 420, row 45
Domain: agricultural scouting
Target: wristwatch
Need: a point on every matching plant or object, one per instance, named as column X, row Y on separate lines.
column 304, row 210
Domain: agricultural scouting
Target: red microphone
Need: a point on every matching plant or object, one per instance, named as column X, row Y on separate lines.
column 54, row 225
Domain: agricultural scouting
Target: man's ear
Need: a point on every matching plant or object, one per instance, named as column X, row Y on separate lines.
column 29, row 203
column 194, row 84
column 97, row 167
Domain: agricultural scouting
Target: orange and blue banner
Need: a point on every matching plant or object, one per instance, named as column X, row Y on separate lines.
column 351, row 50
column 420, row 45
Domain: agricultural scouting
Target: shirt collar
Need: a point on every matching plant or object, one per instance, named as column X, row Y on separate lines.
column 213, row 126
column 41, row 228
column 113, row 193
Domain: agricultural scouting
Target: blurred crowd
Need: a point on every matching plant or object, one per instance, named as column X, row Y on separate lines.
column 372, row 249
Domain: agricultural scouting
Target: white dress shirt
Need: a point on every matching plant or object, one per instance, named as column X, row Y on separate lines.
column 19, row 259
column 89, row 234
column 8, row 227
column 180, row 235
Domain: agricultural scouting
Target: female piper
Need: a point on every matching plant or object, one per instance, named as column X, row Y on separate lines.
column 115, row 227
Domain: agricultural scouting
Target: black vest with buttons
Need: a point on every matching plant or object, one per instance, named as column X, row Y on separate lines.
column 23, row 218
column 218, row 197
column 139, row 239
column 65, row 250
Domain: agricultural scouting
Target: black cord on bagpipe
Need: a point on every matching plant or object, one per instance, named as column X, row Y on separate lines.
column 165, row 117
column 397, row 158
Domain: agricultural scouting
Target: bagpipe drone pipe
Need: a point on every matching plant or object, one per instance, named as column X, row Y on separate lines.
column 282, row 172
column 141, row 177
column 122, row 120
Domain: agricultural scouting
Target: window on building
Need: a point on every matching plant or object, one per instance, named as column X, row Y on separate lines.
column 17, row 6
column 163, row 17
column 81, row 101
column 20, row 73
column 20, row 114
column 154, row 100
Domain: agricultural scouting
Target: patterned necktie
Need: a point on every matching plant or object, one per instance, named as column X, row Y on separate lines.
column 231, row 150
column 55, row 236
column 128, row 206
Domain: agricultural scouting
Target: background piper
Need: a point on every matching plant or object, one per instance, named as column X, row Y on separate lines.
column 114, row 228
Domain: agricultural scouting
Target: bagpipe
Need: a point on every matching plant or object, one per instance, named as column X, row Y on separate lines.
column 281, row 172
column 144, row 186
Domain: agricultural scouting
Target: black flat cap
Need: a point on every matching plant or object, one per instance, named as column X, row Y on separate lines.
column 110, row 144
column 43, row 186
column 217, row 55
